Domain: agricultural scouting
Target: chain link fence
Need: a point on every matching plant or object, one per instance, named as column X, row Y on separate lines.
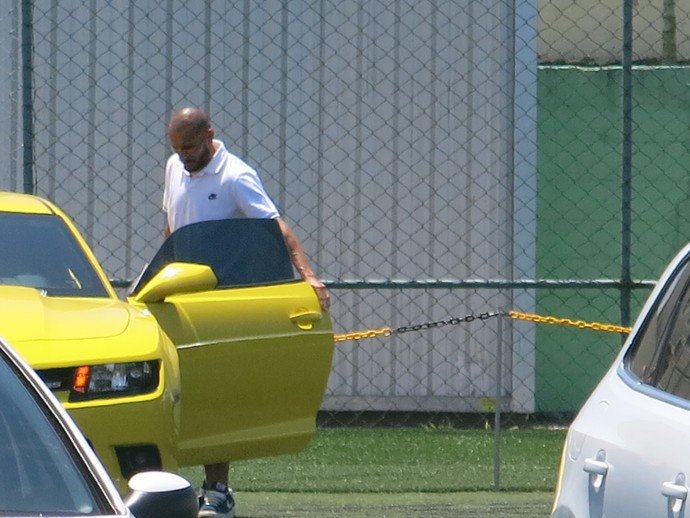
column 438, row 159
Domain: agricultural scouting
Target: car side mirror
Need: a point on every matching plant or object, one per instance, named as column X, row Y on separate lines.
column 159, row 494
column 176, row 278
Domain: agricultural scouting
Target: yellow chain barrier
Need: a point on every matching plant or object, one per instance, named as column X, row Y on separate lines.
column 611, row 328
column 581, row 324
column 359, row 335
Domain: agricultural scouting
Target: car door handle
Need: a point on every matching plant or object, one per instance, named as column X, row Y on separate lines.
column 672, row 490
column 305, row 318
column 597, row 468
column 676, row 492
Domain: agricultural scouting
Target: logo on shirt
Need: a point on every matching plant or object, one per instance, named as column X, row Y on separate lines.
column 212, row 196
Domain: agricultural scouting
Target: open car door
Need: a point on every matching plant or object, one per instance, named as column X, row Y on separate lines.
column 254, row 346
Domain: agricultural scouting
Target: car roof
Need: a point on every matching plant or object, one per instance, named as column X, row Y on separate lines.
column 26, row 203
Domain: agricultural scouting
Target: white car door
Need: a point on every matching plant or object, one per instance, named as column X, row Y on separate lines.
column 627, row 454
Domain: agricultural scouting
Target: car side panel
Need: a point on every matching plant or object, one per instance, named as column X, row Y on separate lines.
column 634, row 438
column 254, row 363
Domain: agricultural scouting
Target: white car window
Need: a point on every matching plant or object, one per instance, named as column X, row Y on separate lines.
column 661, row 355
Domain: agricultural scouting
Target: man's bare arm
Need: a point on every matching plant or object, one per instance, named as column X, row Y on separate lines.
column 301, row 263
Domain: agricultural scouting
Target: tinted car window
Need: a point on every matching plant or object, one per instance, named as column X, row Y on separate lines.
column 661, row 355
column 39, row 251
column 241, row 252
column 40, row 471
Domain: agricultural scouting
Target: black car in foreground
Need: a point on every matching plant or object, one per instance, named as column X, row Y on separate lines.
column 47, row 468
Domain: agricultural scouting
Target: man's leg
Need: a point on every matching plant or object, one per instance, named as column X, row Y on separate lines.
column 217, row 473
column 216, row 497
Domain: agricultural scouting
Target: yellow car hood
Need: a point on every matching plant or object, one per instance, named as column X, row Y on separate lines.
column 68, row 330
column 25, row 314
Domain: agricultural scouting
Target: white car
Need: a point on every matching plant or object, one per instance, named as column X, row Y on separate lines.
column 47, row 468
column 627, row 453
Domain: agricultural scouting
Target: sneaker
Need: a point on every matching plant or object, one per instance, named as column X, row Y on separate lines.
column 216, row 502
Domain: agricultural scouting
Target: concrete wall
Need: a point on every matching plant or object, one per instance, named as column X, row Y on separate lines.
column 591, row 31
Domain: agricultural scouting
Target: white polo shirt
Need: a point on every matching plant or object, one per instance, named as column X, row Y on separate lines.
column 226, row 188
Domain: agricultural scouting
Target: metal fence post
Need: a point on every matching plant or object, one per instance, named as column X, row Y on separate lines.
column 626, row 151
column 497, row 410
column 27, row 95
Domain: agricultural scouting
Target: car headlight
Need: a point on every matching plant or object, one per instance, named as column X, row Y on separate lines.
column 114, row 380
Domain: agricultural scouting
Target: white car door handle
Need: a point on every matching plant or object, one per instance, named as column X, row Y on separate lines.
column 676, row 492
column 596, row 467
column 671, row 490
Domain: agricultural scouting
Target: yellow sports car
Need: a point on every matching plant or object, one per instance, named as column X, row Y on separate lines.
column 218, row 354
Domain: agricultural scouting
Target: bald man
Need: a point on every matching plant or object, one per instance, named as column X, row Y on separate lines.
column 203, row 182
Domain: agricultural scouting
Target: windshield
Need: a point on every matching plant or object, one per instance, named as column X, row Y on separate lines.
column 41, row 473
column 39, row 251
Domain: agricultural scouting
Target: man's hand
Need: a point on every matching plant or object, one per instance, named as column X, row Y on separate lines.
column 321, row 292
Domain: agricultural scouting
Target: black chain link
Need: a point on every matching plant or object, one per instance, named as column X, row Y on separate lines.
column 450, row 322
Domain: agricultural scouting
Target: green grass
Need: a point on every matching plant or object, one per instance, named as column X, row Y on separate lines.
column 425, row 459
column 367, row 505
